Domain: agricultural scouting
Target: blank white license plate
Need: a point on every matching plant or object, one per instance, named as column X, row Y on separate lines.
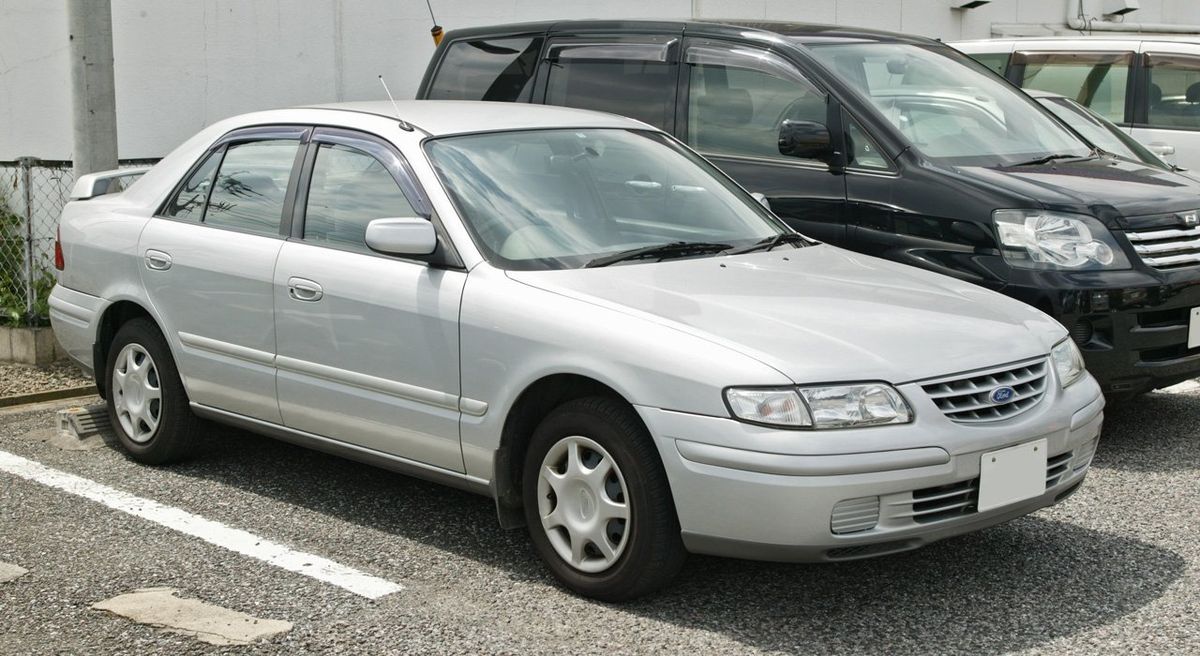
column 1011, row 475
column 1194, row 330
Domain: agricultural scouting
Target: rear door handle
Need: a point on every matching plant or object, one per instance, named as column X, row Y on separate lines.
column 305, row 290
column 157, row 260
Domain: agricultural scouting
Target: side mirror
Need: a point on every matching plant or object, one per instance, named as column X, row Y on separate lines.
column 806, row 140
column 407, row 236
column 762, row 199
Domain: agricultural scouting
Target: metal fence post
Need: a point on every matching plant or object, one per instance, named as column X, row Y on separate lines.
column 26, row 164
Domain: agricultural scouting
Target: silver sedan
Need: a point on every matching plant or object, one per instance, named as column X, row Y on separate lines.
column 574, row 314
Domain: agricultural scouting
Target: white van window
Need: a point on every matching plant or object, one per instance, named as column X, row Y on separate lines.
column 1096, row 80
column 1174, row 92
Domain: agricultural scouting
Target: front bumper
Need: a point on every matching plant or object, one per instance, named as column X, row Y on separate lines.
column 1132, row 326
column 785, row 504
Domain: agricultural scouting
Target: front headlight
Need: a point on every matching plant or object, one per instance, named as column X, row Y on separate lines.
column 1034, row 239
column 837, row 406
column 1068, row 362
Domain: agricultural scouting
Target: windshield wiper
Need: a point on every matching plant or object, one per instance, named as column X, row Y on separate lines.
column 661, row 251
column 1046, row 159
column 771, row 242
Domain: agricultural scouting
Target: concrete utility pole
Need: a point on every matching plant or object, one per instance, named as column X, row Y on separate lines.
column 93, row 96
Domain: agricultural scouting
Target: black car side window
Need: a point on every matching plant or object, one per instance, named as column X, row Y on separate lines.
column 739, row 97
column 630, row 79
column 491, row 69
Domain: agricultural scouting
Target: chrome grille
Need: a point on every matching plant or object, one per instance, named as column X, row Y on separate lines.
column 934, row 504
column 967, row 400
column 1057, row 467
column 960, row 499
column 854, row 515
column 1167, row 248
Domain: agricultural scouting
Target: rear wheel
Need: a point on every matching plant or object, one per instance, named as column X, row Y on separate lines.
column 147, row 405
column 598, row 504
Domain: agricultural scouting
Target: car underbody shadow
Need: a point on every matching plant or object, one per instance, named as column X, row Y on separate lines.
column 1014, row 586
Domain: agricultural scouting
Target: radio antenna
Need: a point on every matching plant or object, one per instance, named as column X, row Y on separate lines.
column 395, row 108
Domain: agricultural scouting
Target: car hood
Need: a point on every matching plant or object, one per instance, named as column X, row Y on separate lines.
column 820, row 314
column 1110, row 189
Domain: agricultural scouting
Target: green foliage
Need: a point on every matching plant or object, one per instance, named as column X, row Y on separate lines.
column 12, row 281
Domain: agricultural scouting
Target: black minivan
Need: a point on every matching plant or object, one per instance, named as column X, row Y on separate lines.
column 891, row 145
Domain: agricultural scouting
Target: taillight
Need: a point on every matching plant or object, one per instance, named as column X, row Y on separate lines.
column 60, row 262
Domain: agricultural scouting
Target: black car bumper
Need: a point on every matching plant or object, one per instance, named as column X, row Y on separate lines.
column 1131, row 326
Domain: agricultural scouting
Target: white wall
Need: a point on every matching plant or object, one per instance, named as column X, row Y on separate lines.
column 183, row 64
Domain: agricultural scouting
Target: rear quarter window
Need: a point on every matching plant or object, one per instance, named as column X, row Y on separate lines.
column 487, row 69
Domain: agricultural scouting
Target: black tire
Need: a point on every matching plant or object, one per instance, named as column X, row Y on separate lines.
column 653, row 551
column 178, row 430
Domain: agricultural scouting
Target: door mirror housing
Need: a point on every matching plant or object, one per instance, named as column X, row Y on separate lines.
column 806, row 140
column 410, row 236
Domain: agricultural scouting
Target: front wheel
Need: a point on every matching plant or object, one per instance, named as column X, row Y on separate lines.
column 597, row 502
column 147, row 404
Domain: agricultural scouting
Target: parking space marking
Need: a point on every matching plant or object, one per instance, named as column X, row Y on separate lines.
column 159, row 607
column 1183, row 388
column 233, row 539
column 10, row 572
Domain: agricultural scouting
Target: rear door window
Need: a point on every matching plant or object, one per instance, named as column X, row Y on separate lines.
column 634, row 79
column 1096, row 80
column 738, row 98
column 487, row 69
column 188, row 203
column 1174, row 98
column 251, row 185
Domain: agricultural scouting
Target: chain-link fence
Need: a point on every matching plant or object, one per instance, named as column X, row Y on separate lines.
column 32, row 195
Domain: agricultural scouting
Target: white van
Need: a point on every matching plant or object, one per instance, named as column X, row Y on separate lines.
column 1149, row 85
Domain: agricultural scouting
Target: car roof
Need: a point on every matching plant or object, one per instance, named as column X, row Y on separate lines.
column 445, row 117
column 806, row 33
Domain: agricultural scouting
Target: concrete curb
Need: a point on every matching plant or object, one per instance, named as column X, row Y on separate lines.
column 50, row 395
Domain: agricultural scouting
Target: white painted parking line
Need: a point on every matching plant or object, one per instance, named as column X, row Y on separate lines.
column 160, row 608
column 210, row 531
column 1182, row 388
column 10, row 572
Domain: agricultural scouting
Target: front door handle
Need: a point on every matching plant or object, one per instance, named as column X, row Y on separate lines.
column 305, row 290
column 157, row 260
column 1161, row 149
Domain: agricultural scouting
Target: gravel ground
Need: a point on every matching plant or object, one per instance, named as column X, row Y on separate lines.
column 25, row 379
column 1113, row 570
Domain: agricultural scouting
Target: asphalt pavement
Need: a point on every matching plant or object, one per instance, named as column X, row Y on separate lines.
column 1113, row 570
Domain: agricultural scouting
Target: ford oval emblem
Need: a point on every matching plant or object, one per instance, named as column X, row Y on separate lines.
column 1002, row 395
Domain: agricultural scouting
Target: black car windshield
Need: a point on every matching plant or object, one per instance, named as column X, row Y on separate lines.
column 555, row 199
column 950, row 108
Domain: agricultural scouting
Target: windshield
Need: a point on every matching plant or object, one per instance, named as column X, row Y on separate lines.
column 1100, row 132
column 947, row 106
column 555, row 199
